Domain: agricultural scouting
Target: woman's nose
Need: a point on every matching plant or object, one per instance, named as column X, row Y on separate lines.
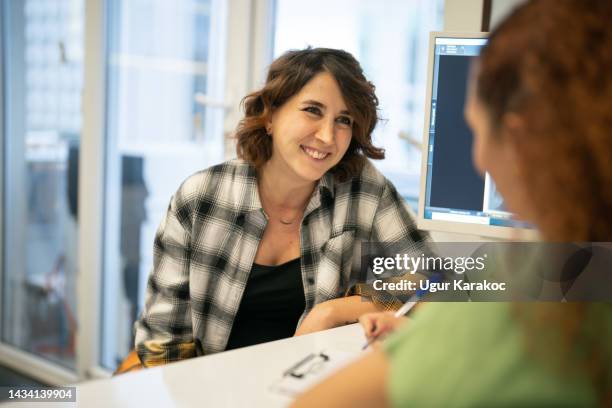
column 326, row 132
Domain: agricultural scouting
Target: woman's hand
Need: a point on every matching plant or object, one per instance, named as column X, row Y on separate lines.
column 380, row 324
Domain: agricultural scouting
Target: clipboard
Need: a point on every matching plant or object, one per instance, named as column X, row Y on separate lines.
column 310, row 370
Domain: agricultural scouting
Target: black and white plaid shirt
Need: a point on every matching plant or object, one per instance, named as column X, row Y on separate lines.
column 206, row 244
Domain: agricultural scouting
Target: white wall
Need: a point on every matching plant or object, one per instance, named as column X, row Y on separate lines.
column 501, row 8
column 462, row 15
column 466, row 15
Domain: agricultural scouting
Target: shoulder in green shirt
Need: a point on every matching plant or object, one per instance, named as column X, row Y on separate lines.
column 474, row 354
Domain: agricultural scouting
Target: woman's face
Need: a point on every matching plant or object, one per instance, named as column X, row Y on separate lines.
column 311, row 131
column 494, row 153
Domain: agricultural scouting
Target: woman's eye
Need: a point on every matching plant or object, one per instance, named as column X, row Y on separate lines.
column 313, row 110
column 345, row 120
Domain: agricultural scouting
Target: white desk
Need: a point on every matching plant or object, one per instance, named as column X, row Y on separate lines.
column 237, row 378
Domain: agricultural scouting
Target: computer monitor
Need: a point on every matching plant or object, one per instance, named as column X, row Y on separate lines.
column 454, row 196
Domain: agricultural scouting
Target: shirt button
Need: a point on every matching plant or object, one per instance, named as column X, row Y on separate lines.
column 310, row 281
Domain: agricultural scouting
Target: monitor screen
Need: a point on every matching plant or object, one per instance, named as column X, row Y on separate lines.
column 454, row 196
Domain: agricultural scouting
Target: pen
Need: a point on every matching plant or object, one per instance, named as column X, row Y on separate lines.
column 406, row 307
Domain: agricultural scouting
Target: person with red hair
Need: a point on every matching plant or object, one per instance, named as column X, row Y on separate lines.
column 540, row 107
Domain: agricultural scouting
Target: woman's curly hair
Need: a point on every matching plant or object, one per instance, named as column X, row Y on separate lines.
column 287, row 76
column 550, row 63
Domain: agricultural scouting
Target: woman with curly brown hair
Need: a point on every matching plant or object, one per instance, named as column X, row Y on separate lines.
column 540, row 107
column 252, row 247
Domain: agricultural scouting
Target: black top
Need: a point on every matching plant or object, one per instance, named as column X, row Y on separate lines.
column 271, row 305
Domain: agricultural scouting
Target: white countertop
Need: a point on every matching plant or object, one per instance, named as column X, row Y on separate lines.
column 237, row 378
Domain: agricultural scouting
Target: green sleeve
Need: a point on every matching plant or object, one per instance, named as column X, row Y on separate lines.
column 473, row 354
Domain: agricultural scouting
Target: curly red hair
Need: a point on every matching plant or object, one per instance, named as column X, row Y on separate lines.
column 549, row 62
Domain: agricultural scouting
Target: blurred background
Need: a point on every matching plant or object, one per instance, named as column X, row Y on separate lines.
column 107, row 105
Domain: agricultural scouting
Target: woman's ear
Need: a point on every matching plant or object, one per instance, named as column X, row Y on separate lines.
column 269, row 125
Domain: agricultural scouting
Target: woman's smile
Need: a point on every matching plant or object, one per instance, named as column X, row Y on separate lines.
column 315, row 154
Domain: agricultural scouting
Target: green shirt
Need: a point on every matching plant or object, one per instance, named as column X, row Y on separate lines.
column 475, row 354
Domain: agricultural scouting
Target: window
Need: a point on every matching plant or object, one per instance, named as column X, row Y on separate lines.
column 43, row 82
column 390, row 41
column 165, row 122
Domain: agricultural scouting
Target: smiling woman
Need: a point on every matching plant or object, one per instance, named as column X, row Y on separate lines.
column 253, row 248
